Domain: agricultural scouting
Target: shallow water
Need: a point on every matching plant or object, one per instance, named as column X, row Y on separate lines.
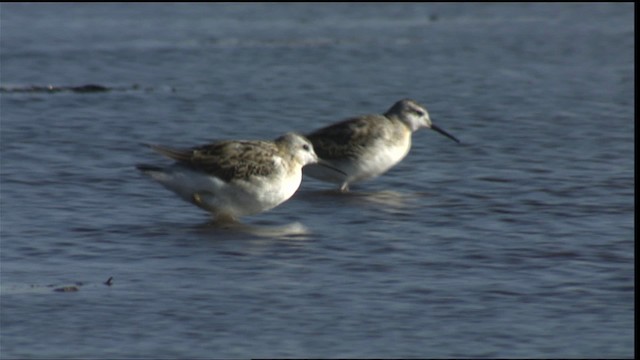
column 516, row 243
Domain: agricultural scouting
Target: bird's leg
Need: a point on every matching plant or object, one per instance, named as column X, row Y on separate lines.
column 345, row 187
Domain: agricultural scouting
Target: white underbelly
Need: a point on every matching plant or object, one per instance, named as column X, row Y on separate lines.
column 238, row 198
column 375, row 160
column 378, row 160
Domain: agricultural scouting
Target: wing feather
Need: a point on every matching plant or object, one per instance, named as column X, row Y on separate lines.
column 347, row 139
column 226, row 160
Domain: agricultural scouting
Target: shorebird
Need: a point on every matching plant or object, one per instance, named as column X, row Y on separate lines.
column 367, row 146
column 234, row 178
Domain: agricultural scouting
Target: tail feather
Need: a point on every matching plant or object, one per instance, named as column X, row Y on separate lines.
column 172, row 153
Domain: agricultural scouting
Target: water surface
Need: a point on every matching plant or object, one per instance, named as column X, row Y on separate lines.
column 516, row 243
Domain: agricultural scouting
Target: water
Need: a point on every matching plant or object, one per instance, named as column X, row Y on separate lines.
column 517, row 243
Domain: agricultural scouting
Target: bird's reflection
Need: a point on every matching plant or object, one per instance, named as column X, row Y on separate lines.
column 384, row 199
column 294, row 230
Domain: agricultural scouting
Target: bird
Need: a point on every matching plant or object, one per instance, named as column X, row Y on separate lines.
column 366, row 146
column 234, row 178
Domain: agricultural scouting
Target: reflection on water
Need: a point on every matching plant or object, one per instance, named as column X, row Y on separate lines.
column 385, row 199
column 295, row 230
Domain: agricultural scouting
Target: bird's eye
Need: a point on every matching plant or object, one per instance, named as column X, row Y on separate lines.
column 419, row 113
column 306, row 147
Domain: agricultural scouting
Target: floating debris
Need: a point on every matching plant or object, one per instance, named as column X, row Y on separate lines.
column 67, row 289
column 84, row 89
column 89, row 88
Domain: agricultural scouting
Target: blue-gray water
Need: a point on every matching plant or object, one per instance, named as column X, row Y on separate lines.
column 517, row 243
